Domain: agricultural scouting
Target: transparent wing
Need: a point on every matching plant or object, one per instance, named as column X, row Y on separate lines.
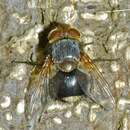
column 98, row 79
column 37, row 93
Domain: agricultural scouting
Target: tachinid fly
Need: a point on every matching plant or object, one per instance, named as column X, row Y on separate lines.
column 62, row 69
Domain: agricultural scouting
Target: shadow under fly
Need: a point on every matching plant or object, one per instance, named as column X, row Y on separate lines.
column 62, row 70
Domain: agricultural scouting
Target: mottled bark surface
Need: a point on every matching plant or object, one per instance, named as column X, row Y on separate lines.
column 105, row 34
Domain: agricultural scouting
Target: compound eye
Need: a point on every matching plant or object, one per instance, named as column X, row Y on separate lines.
column 54, row 35
column 63, row 32
column 74, row 33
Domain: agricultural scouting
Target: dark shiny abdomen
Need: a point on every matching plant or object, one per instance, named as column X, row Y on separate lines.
column 66, row 84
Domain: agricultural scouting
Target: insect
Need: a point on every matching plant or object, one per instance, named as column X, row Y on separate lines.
column 61, row 70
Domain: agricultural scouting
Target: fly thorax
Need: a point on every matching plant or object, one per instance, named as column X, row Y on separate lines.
column 66, row 54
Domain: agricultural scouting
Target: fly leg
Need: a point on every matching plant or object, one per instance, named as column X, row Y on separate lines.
column 26, row 62
column 102, row 60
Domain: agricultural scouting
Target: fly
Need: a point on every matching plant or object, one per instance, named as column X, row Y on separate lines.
column 62, row 70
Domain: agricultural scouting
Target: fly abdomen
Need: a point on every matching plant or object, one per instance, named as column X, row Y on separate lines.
column 66, row 54
column 66, row 84
column 74, row 83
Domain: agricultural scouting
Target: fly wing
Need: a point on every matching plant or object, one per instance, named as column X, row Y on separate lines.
column 37, row 93
column 99, row 82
